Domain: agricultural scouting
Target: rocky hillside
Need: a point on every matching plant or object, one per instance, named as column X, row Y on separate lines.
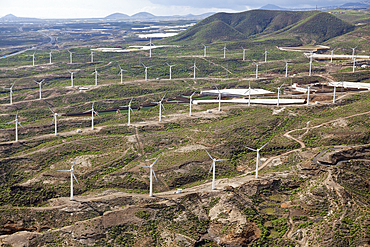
column 304, row 26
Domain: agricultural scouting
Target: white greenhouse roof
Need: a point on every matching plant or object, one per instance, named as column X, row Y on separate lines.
column 237, row 92
column 253, row 101
column 346, row 84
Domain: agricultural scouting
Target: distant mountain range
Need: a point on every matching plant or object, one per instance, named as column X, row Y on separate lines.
column 355, row 5
column 116, row 16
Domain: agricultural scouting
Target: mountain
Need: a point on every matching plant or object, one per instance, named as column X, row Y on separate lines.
column 308, row 27
column 358, row 5
column 272, row 7
column 143, row 15
column 11, row 17
column 117, row 16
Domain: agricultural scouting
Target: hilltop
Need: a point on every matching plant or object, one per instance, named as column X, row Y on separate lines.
column 306, row 27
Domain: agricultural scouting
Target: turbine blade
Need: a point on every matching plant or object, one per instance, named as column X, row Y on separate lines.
column 222, row 159
column 163, row 97
column 208, row 154
column 96, row 114
column 143, row 166
column 132, row 111
column 63, row 170
column 11, row 122
column 252, row 149
column 20, row 125
column 51, row 110
column 193, row 94
column 16, row 116
column 87, row 111
column 75, row 177
column 130, row 101
column 264, row 145
column 163, row 107
column 154, row 175
column 210, row 169
column 74, row 163
column 155, row 161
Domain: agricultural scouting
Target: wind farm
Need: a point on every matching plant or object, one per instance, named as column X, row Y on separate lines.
column 288, row 120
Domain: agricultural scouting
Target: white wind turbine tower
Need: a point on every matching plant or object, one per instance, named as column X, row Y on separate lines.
column 39, row 83
column 150, row 47
column 72, row 73
column 121, row 72
column 308, row 94
column 353, row 51
column 33, row 59
column 129, row 110
column 309, row 73
column 354, row 64
column 286, row 68
column 258, row 159
column 50, row 57
column 55, row 120
column 332, row 54
column 16, row 126
column 195, row 67
column 257, row 64
column 72, row 177
column 219, row 99
column 146, row 71
column 335, row 90
column 160, row 107
column 171, row 69
column 191, row 102
column 92, row 115
column 244, row 53
column 151, row 176
column 70, row 56
column 225, row 49
column 249, row 94
column 92, row 57
column 278, row 98
column 213, row 167
column 205, row 50
column 96, row 76
column 265, row 53
column 11, row 93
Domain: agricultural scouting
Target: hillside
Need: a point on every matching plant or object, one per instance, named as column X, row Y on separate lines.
column 304, row 26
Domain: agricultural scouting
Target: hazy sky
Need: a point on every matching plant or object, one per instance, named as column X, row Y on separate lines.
column 100, row 8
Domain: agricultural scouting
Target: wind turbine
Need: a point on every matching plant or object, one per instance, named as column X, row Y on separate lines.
column 151, row 176
column 92, row 56
column 96, row 76
column 258, row 159
column 278, row 88
column 219, row 99
column 129, row 113
column 225, row 49
column 70, row 56
column 244, row 53
column 191, row 102
column 40, row 85
column 160, row 107
column 121, row 72
column 309, row 73
column 256, row 69
column 353, row 51
column 249, row 94
column 265, row 53
column 205, row 50
column 335, row 90
column 332, row 54
column 16, row 126
column 33, row 59
column 50, row 57
column 308, row 94
column 195, row 67
column 146, row 71
column 150, row 47
column 171, row 70
column 71, row 76
column 55, row 120
column 286, row 68
column 92, row 115
column 72, row 177
column 213, row 167
column 11, row 93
